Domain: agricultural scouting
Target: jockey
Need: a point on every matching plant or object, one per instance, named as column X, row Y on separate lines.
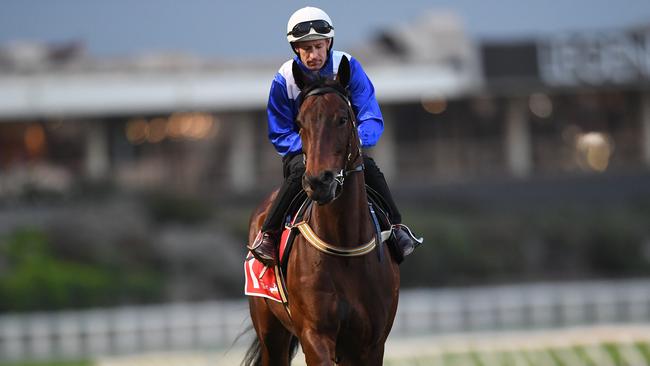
column 311, row 35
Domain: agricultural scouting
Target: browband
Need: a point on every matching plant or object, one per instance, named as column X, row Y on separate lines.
column 320, row 90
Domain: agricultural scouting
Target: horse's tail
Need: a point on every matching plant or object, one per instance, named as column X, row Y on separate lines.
column 253, row 355
column 293, row 348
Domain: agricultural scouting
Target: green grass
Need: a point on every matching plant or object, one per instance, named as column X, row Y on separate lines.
column 558, row 357
column 644, row 348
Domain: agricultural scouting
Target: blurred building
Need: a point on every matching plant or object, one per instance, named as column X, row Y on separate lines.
column 455, row 111
column 575, row 101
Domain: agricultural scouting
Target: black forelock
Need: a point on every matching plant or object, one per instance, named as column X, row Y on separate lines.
column 319, row 84
column 320, row 81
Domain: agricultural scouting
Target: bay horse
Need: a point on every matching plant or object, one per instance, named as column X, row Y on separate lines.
column 341, row 303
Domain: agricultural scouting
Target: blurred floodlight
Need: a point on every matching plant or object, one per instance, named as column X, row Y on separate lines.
column 200, row 125
column 191, row 126
column 434, row 104
column 594, row 150
column 540, row 105
column 35, row 139
column 157, row 130
column 176, row 127
column 137, row 131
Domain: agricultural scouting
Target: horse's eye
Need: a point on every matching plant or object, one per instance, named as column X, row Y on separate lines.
column 343, row 120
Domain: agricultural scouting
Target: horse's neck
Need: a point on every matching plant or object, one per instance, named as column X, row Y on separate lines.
column 346, row 220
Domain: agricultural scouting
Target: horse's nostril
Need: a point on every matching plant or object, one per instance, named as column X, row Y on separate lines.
column 322, row 180
column 327, row 176
column 310, row 181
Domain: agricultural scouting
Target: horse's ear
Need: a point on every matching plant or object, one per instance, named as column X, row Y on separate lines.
column 298, row 76
column 343, row 75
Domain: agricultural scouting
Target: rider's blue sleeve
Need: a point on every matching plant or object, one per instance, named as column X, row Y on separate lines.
column 369, row 118
column 282, row 128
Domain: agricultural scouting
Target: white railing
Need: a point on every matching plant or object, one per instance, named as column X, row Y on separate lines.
column 91, row 333
column 215, row 325
column 522, row 307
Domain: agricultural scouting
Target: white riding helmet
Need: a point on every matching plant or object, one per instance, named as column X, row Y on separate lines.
column 308, row 24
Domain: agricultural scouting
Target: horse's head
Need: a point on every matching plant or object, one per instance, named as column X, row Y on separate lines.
column 328, row 133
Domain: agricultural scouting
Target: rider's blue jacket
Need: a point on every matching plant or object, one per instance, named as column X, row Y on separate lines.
column 282, row 107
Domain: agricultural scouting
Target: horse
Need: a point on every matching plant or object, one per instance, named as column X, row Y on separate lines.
column 342, row 302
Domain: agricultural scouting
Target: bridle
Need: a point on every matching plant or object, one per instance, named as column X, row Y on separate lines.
column 340, row 176
column 352, row 165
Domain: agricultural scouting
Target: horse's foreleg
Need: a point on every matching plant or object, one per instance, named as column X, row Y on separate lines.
column 275, row 340
column 319, row 349
column 373, row 357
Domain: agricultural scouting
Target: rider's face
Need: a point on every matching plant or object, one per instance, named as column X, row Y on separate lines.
column 313, row 53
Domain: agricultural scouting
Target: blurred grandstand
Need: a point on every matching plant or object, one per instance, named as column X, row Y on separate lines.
column 569, row 103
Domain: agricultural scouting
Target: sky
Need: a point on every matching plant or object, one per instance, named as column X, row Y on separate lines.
column 256, row 29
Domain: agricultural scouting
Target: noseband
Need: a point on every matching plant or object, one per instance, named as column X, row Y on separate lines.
column 339, row 178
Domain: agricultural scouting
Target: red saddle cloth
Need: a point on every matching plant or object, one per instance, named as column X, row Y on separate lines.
column 261, row 280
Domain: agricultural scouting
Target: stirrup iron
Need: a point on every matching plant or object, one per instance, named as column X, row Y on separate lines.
column 408, row 231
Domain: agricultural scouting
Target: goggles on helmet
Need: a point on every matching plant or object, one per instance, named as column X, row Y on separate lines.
column 301, row 29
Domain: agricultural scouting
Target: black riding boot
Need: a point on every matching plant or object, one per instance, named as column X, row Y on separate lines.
column 265, row 246
column 375, row 179
column 405, row 239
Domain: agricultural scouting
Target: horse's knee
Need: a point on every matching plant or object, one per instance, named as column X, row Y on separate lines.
column 366, row 357
column 319, row 349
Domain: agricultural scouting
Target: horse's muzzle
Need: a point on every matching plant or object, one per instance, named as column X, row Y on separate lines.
column 321, row 188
